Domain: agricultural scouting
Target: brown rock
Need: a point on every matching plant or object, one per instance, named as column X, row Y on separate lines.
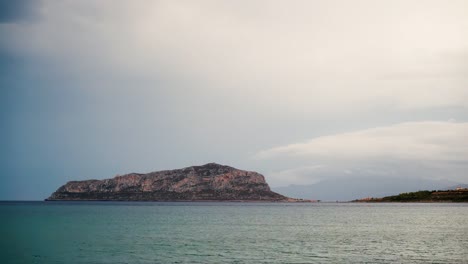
column 197, row 183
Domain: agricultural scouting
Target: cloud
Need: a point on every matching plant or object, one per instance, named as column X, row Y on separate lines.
column 407, row 141
column 320, row 57
column 145, row 85
column 425, row 148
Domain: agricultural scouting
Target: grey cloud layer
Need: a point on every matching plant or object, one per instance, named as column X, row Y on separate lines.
column 325, row 56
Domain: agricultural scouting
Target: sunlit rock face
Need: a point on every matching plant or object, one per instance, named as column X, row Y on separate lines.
column 197, row 183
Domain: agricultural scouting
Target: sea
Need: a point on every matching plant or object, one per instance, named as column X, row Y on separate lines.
column 232, row 232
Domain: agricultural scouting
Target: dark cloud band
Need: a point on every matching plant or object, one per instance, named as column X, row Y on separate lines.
column 12, row 11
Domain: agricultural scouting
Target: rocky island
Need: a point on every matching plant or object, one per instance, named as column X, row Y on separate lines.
column 209, row 182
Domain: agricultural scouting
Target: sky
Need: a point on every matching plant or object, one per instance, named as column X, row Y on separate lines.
column 300, row 91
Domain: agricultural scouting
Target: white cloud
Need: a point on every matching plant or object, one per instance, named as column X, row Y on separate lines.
column 430, row 148
column 407, row 141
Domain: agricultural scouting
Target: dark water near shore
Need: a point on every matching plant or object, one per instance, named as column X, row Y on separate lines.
column 117, row 232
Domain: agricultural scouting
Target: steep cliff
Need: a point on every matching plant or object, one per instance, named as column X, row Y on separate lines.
column 197, row 183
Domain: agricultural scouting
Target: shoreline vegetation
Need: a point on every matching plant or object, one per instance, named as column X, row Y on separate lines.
column 457, row 196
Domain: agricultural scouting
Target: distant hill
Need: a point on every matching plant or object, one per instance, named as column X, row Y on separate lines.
column 346, row 189
column 197, row 183
column 460, row 195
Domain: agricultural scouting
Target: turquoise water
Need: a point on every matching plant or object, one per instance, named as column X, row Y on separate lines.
column 117, row 232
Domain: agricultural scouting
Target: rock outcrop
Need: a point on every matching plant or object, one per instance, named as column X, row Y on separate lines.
column 197, row 183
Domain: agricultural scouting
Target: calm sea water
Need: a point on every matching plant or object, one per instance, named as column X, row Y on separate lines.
column 116, row 232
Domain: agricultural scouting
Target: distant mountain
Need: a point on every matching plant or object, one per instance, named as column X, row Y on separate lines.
column 197, row 183
column 346, row 189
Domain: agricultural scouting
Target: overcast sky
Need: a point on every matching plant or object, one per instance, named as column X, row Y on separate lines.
column 296, row 90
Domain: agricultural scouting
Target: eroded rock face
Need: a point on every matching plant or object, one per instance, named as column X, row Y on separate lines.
column 208, row 182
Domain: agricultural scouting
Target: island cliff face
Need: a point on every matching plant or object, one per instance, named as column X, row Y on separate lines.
column 197, row 183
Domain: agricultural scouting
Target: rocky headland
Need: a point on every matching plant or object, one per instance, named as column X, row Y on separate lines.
column 209, row 182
